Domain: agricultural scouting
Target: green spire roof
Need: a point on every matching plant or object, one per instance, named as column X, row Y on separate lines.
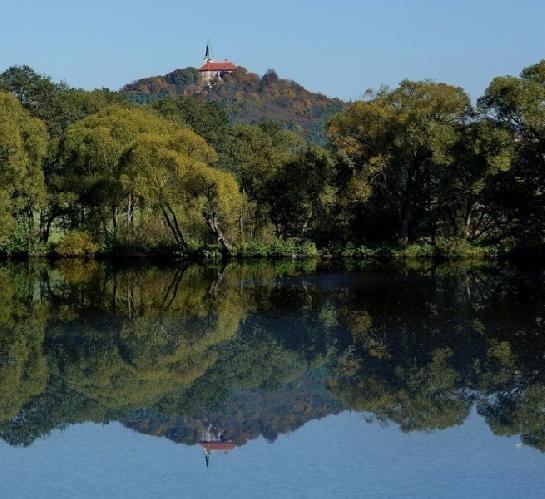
column 208, row 56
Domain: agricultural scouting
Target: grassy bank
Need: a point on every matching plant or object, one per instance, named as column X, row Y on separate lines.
column 443, row 249
column 80, row 244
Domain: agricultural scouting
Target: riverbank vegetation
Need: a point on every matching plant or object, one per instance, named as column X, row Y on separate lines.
column 416, row 171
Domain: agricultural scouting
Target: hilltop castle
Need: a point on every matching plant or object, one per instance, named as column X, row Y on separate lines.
column 211, row 70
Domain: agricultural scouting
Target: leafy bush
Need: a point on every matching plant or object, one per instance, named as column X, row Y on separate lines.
column 444, row 249
column 23, row 240
column 77, row 244
column 457, row 249
column 252, row 249
column 353, row 251
column 363, row 252
column 416, row 251
column 278, row 249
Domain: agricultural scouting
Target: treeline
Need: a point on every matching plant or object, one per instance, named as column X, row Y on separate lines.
column 417, row 170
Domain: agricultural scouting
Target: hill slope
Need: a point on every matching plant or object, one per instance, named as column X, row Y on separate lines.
column 246, row 97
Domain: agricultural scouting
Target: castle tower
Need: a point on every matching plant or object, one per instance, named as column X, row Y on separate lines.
column 208, row 56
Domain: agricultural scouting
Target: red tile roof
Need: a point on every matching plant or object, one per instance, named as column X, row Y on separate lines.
column 218, row 66
column 224, row 446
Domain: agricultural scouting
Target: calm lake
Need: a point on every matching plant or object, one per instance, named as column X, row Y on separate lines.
column 258, row 380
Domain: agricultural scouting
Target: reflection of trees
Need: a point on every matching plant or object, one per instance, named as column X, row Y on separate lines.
column 416, row 397
column 246, row 414
column 425, row 350
column 125, row 340
column 512, row 379
column 254, row 387
column 113, row 341
column 518, row 413
column 165, row 349
column 23, row 367
column 158, row 340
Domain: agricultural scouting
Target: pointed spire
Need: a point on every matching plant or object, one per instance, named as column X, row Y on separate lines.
column 208, row 56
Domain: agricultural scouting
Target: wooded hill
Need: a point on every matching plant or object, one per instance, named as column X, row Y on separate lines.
column 246, row 97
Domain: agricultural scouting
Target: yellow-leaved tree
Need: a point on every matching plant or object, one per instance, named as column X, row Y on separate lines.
column 173, row 173
column 23, row 144
column 122, row 158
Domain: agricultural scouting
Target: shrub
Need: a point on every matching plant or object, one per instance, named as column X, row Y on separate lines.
column 457, row 249
column 416, row 251
column 353, row 251
column 23, row 239
column 278, row 249
column 253, row 250
column 292, row 249
column 77, row 244
column 444, row 249
column 382, row 253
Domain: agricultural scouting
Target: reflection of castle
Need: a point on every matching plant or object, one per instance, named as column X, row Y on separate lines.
column 213, row 441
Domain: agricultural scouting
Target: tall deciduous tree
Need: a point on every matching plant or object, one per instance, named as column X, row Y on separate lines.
column 173, row 174
column 299, row 192
column 23, row 144
column 56, row 104
column 207, row 119
column 517, row 105
column 395, row 143
column 466, row 205
column 91, row 154
column 256, row 152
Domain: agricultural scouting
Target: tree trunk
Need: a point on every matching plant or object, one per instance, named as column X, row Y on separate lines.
column 214, row 288
column 226, row 248
column 115, row 219
column 46, row 220
column 175, row 229
column 403, row 236
column 47, row 230
column 129, row 210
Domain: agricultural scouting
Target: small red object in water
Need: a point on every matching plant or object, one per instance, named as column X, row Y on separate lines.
column 224, row 446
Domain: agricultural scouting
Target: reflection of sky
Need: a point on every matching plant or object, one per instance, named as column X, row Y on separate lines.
column 339, row 456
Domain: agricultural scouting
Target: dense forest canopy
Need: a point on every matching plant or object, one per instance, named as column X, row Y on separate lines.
column 412, row 171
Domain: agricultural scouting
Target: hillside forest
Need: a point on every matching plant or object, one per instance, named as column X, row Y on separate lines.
column 254, row 167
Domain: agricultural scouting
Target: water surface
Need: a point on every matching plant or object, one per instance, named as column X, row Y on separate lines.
column 271, row 380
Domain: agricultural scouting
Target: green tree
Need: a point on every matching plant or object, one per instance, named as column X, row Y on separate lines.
column 173, row 174
column 516, row 105
column 256, row 153
column 465, row 204
column 23, row 144
column 300, row 193
column 207, row 119
column 56, row 104
column 395, row 143
column 91, row 154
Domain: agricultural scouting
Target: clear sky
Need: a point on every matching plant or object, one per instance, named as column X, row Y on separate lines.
column 338, row 47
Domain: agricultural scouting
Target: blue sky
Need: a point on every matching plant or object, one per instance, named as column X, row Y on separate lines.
column 338, row 47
